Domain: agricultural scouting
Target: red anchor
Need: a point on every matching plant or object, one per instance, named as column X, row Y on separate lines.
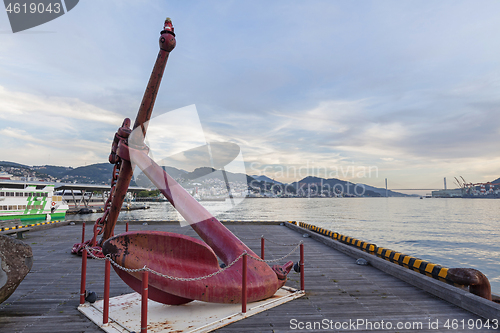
column 186, row 259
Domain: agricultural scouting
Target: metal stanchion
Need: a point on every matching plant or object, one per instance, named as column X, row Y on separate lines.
column 84, row 275
column 83, row 232
column 302, row 267
column 262, row 240
column 244, row 286
column 126, row 227
column 105, row 310
column 144, row 302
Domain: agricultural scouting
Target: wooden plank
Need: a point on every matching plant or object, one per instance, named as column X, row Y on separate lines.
column 459, row 297
column 336, row 288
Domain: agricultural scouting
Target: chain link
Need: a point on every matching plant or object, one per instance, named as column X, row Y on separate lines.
column 295, row 244
column 101, row 221
column 89, row 251
column 145, row 268
column 248, row 238
column 279, row 259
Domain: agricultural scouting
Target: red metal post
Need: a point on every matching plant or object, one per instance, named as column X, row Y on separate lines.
column 144, row 302
column 244, row 286
column 302, row 267
column 105, row 311
column 262, row 248
column 126, row 227
column 84, row 275
column 83, row 232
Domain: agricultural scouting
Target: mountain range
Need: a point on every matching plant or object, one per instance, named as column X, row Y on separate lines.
column 101, row 174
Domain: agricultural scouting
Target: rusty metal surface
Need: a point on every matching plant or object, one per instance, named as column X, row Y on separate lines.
column 167, row 44
column 478, row 282
column 186, row 257
column 123, row 171
column 167, row 253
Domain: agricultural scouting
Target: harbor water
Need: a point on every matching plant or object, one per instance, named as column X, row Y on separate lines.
column 448, row 232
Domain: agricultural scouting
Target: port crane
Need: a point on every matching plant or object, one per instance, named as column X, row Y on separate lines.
column 471, row 188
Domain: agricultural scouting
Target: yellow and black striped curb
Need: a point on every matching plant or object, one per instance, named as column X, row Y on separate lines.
column 418, row 265
column 364, row 246
column 26, row 226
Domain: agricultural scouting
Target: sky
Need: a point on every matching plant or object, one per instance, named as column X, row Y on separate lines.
column 356, row 90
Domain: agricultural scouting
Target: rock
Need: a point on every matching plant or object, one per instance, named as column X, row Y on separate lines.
column 85, row 210
column 296, row 267
column 90, row 296
column 362, row 262
column 16, row 259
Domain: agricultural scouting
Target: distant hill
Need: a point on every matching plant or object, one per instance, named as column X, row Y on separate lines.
column 496, row 181
column 338, row 185
column 205, row 173
column 265, row 179
column 23, row 171
column 141, row 179
column 12, row 164
column 55, row 171
column 98, row 173
column 199, row 172
column 101, row 174
column 90, row 174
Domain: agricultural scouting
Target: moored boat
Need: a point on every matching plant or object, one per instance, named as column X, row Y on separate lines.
column 30, row 203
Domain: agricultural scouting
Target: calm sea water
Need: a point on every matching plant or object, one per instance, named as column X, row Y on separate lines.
column 449, row 232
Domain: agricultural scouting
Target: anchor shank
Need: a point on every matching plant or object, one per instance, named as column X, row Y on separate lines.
column 224, row 243
column 167, row 44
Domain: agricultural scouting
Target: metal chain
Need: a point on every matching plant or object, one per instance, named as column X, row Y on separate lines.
column 295, row 244
column 101, row 221
column 92, row 255
column 100, row 224
column 267, row 239
column 145, row 268
column 279, row 259
column 248, row 238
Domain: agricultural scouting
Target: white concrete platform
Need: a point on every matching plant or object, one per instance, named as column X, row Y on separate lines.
column 196, row 316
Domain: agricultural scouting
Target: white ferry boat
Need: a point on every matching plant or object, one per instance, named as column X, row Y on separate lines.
column 30, row 203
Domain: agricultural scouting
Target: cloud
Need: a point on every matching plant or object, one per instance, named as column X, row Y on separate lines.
column 42, row 130
column 17, row 134
column 15, row 105
column 173, row 132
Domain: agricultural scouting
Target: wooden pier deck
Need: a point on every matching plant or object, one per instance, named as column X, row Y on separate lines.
column 339, row 293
